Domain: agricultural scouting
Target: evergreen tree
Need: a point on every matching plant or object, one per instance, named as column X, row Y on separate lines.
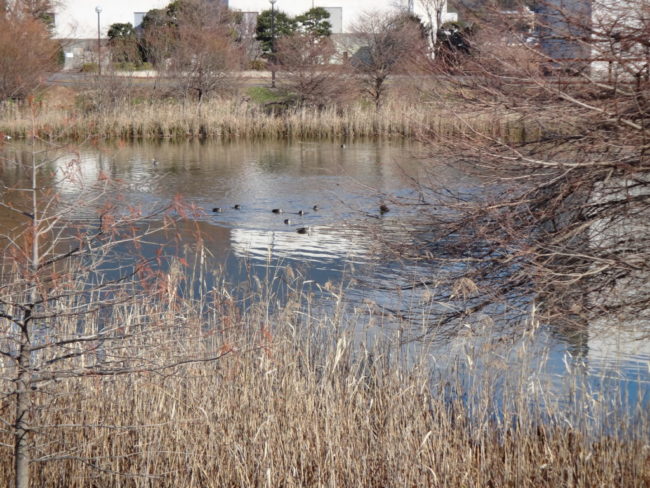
column 314, row 22
column 123, row 42
column 284, row 26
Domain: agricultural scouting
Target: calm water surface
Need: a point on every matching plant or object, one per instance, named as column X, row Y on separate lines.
column 347, row 184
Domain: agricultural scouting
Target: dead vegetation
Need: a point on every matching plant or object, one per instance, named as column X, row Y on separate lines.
column 291, row 402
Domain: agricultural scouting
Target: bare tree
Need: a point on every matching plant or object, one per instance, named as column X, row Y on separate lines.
column 42, row 10
column 558, row 218
column 27, row 52
column 432, row 13
column 309, row 72
column 77, row 297
column 194, row 42
column 389, row 44
column 159, row 34
column 205, row 55
column 245, row 24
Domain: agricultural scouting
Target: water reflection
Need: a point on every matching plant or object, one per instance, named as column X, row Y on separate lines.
column 257, row 176
column 345, row 184
column 319, row 245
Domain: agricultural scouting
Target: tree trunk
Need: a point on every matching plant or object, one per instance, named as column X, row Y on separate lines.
column 21, row 427
column 24, row 360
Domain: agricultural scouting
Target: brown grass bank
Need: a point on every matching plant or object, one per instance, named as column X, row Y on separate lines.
column 296, row 401
column 232, row 118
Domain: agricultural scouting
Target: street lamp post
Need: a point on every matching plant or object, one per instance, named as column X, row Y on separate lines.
column 273, row 42
column 98, row 9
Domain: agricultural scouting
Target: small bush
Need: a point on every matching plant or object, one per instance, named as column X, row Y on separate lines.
column 146, row 66
column 124, row 66
column 89, row 68
column 258, row 65
column 263, row 95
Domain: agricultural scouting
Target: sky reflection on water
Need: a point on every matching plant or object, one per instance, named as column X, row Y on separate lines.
column 348, row 185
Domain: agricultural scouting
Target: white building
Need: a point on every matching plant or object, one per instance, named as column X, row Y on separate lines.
column 344, row 13
column 77, row 20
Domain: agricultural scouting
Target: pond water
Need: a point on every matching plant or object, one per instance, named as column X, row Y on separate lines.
column 341, row 241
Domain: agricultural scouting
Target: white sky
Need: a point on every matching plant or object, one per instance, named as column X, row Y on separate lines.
column 78, row 19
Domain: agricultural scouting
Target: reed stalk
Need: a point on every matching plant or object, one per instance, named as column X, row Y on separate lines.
column 299, row 399
column 232, row 118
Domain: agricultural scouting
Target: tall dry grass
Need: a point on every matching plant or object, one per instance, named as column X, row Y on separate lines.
column 232, row 118
column 299, row 398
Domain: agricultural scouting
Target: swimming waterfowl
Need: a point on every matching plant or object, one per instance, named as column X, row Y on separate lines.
column 217, row 209
column 287, row 221
column 384, row 208
column 301, row 212
column 237, row 207
column 154, row 162
column 302, row 230
column 277, row 210
column 315, row 207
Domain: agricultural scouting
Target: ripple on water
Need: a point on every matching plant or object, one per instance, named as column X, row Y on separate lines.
column 320, row 244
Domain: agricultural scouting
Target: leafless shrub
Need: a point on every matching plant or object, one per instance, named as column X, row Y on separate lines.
column 388, row 44
column 27, row 52
column 205, row 56
column 559, row 220
column 75, row 293
column 193, row 43
column 309, row 71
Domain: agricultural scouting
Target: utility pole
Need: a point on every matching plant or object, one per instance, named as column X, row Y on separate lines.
column 98, row 9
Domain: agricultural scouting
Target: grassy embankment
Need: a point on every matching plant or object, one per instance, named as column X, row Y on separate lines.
column 251, row 117
column 295, row 400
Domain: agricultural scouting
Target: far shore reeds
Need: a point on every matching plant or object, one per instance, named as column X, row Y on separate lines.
column 237, row 118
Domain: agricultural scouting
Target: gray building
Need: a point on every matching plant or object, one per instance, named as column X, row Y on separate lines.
column 564, row 31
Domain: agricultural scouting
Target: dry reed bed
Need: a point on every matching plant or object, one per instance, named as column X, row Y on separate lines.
column 232, row 118
column 297, row 402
